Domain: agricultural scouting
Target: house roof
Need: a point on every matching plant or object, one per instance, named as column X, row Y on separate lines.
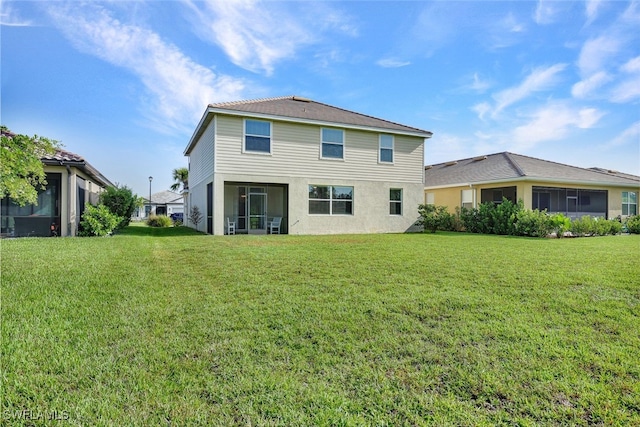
column 67, row 158
column 166, row 197
column 505, row 166
column 302, row 110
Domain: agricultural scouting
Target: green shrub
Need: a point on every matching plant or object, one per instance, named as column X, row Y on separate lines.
column 533, row 223
column 633, row 224
column 468, row 218
column 121, row 201
column 98, row 221
column 583, row 226
column 616, row 226
column 159, row 221
column 434, row 218
column 559, row 224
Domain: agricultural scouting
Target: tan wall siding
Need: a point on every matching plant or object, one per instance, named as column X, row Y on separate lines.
column 295, row 151
column 201, row 160
column 451, row 197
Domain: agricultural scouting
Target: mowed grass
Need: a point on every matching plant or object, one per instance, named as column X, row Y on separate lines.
column 170, row 327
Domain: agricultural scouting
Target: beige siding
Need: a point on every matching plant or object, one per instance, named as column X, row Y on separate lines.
column 201, row 159
column 452, row 197
column 295, row 151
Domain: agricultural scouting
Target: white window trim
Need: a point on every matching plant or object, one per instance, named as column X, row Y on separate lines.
column 380, row 148
column 401, row 201
column 331, row 200
column 344, row 137
column 245, row 134
column 629, row 204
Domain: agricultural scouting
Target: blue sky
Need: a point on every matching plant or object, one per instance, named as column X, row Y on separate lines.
column 124, row 83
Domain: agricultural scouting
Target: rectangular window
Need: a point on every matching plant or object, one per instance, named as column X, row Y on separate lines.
column 395, row 201
column 629, row 203
column 431, row 199
column 386, row 149
column 330, row 200
column 257, row 136
column 467, row 199
column 332, row 144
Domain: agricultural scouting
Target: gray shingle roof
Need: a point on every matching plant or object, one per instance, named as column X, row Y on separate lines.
column 509, row 166
column 307, row 109
column 299, row 109
column 164, row 197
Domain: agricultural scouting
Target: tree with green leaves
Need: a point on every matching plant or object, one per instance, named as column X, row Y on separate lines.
column 121, row 201
column 181, row 178
column 21, row 170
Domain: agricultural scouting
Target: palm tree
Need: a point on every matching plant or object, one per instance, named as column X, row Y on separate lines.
column 181, row 178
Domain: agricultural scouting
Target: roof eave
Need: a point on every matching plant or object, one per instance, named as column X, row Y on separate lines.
column 536, row 179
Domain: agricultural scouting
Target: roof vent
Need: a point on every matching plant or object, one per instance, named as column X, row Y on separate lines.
column 428, row 167
column 455, row 162
column 612, row 171
column 477, row 159
column 300, row 99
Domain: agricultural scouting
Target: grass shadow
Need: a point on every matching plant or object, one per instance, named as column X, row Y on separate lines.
column 142, row 230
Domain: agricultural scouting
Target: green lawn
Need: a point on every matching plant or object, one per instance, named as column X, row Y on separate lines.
column 168, row 327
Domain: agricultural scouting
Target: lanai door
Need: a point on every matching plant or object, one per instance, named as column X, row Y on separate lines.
column 257, row 211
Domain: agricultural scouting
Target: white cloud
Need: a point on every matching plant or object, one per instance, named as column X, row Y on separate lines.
column 392, row 63
column 584, row 88
column 597, row 53
column 552, row 123
column 256, row 35
column 178, row 88
column 629, row 136
column 538, row 80
column 632, row 66
column 591, row 10
column 482, row 109
column 10, row 18
column 545, row 12
column 626, row 91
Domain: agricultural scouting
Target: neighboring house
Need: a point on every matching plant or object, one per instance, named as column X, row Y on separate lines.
column 322, row 169
column 162, row 203
column 72, row 183
column 541, row 184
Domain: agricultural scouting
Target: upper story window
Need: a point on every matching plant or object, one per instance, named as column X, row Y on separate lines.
column 332, row 144
column 629, row 203
column 257, row 136
column 386, row 149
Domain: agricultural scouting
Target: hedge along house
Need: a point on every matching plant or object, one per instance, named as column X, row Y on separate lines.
column 72, row 183
column 320, row 168
column 541, row 184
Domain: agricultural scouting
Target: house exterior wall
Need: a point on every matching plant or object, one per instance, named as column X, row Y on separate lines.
column 452, row 196
column 295, row 161
column 295, row 151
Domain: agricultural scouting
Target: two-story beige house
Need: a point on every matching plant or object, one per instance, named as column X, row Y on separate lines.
column 320, row 168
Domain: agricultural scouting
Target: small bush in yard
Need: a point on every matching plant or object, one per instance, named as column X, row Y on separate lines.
column 434, row 218
column 534, row 223
column 159, row 221
column 633, row 224
column 560, row 224
column 98, row 221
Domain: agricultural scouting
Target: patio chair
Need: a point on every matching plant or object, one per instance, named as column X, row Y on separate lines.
column 231, row 226
column 274, row 225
